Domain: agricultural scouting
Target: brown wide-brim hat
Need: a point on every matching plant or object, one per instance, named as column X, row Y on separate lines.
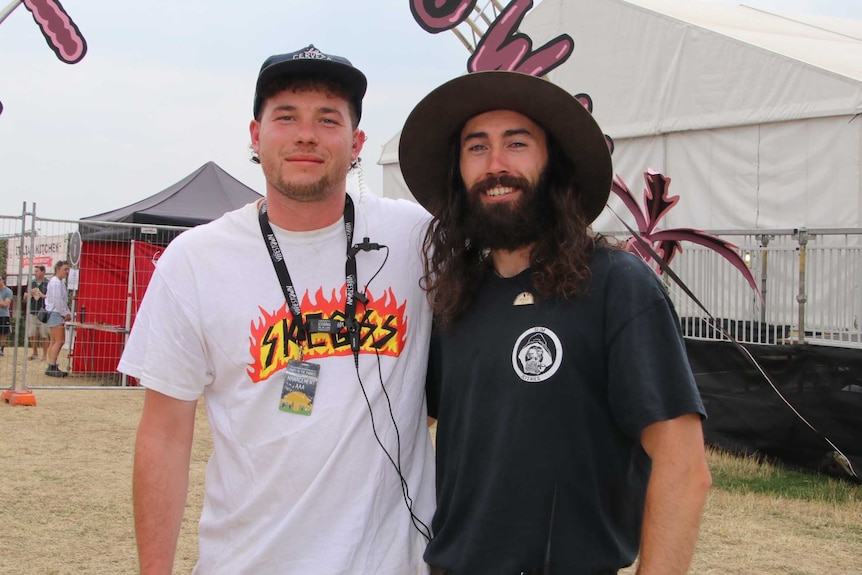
column 429, row 130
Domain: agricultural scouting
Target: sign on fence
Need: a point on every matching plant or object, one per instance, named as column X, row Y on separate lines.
column 45, row 251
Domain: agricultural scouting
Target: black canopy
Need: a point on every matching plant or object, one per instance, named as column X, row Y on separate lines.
column 202, row 196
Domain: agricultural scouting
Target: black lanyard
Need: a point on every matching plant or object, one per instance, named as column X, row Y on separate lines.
column 302, row 330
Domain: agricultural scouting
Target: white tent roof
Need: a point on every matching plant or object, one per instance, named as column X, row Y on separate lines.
column 827, row 43
column 831, row 44
column 698, row 65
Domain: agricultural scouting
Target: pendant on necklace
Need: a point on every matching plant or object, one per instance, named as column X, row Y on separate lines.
column 524, row 298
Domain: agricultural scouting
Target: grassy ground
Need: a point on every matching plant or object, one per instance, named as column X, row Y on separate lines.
column 65, row 477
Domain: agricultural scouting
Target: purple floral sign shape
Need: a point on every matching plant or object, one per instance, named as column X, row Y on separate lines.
column 666, row 243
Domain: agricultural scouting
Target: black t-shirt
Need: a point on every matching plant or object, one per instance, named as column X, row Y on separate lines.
column 541, row 406
column 37, row 304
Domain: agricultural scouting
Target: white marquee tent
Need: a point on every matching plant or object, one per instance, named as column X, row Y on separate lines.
column 753, row 115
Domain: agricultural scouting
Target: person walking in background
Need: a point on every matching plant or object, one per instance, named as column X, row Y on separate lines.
column 6, row 296
column 569, row 435
column 38, row 330
column 57, row 306
column 313, row 378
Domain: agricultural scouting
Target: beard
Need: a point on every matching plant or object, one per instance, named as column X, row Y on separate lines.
column 508, row 225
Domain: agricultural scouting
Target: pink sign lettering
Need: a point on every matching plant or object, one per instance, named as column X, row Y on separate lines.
column 57, row 27
column 440, row 15
column 59, row 30
column 502, row 47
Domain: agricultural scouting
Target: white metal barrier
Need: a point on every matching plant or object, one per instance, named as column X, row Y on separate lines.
column 811, row 282
column 111, row 265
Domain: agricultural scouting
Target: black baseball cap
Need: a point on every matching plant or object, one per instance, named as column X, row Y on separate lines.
column 312, row 63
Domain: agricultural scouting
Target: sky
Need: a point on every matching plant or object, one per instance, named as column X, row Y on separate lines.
column 167, row 85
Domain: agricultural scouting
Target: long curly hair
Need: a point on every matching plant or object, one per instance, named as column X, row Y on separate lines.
column 455, row 266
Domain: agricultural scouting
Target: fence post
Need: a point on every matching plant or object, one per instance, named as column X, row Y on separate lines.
column 130, row 296
column 17, row 309
column 801, row 297
column 764, row 271
column 18, row 395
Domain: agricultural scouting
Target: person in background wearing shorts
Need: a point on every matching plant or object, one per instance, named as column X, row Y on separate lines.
column 56, row 302
column 37, row 330
column 5, row 313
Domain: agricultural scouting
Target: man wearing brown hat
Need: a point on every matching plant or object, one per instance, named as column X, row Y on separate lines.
column 569, row 433
column 311, row 355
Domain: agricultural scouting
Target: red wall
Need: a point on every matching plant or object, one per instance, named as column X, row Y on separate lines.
column 101, row 298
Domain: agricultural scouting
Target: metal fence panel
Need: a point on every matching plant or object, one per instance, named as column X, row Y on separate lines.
column 811, row 282
column 111, row 267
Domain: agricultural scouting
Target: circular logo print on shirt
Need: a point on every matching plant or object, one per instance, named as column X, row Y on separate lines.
column 537, row 354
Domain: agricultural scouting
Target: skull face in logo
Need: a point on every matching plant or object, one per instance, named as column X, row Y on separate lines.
column 536, row 355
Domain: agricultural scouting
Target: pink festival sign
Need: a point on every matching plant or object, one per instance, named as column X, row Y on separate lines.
column 502, row 47
column 58, row 28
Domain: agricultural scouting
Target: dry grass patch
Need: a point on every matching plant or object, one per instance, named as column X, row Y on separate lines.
column 65, row 487
column 66, row 484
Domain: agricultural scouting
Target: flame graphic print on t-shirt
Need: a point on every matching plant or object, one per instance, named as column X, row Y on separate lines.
column 273, row 341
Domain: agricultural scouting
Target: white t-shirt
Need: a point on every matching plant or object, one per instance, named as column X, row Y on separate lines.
column 55, row 299
column 287, row 492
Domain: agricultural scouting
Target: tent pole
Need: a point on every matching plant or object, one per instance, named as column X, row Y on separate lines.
column 129, row 297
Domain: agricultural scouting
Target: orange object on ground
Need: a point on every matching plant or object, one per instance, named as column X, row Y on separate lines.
column 19, row 397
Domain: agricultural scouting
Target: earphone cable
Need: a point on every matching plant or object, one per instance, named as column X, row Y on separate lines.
column 405, row 493
column 425, row 531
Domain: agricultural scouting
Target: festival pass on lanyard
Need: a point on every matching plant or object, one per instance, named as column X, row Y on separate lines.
column 301, row 377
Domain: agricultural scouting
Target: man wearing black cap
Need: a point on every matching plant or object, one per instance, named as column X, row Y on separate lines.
column 569, row 426
column 311, row 355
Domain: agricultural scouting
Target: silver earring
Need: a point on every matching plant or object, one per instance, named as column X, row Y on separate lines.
column 255, row 157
